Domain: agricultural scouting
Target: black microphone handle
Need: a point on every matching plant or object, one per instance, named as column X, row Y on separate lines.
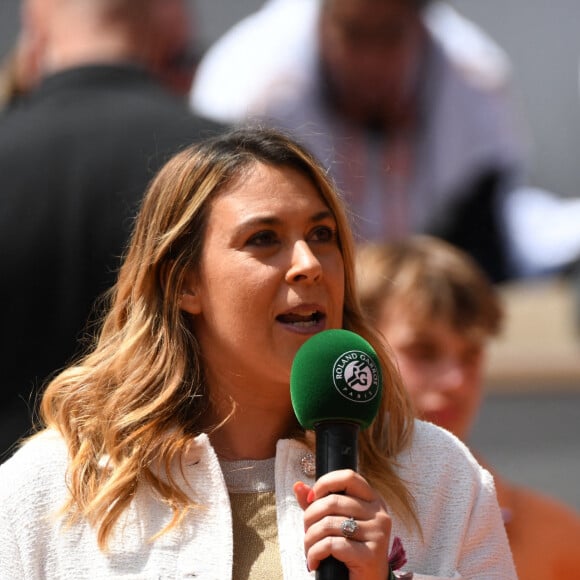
column 336, row 448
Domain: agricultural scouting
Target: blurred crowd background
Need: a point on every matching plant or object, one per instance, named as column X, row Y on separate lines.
column 540, row 37
column 530, row 423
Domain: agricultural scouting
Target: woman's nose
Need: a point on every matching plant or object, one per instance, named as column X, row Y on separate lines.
column 304, row 266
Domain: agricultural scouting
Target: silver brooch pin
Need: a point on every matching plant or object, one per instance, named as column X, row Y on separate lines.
column 308, row 464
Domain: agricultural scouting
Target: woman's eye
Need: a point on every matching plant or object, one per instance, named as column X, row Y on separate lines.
column 264, row 238
column 324, row 234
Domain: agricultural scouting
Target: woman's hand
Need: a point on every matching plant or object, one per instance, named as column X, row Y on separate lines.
column 334, row 498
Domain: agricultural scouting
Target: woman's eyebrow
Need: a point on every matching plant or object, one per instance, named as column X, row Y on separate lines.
column 322, row 215
column 272, row 220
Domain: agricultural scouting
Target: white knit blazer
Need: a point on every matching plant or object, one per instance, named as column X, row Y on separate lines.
column 463, row 534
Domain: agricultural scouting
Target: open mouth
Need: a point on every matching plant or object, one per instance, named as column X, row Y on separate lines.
column 303, row 320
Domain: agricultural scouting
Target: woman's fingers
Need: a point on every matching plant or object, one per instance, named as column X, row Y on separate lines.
column 342, row 493
column 364, row 554
column 345, row 518
column 301, row 491
column 376, row 529
column 357, row 556
column 344, row 481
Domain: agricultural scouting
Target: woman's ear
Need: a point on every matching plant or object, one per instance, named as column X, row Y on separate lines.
column 189, row 300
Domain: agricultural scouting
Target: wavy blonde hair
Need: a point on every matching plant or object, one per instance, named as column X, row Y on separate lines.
column 136, row 399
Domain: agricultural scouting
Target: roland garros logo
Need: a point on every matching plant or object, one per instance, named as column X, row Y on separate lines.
column 356, row 376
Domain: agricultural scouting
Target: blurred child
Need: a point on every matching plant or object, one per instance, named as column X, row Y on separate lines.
column 438, row 311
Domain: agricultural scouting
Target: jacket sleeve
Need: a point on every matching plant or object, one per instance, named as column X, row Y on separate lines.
column 10, row 557
column 485, row 550
column 462, row 534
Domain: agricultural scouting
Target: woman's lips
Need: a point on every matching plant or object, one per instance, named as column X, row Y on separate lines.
column 305, row 320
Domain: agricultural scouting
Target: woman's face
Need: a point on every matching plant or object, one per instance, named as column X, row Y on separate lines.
column 271, row 275
column 441, row 369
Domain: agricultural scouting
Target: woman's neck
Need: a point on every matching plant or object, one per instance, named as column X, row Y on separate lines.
column 252, row 429
column 250, row 420
column 251, row 435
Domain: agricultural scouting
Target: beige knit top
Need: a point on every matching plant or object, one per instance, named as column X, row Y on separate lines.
column 251, row 490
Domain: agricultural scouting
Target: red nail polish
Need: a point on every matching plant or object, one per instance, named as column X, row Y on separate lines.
column 310, row 497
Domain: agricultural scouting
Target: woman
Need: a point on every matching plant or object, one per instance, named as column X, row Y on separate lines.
column 438, row 311
column 172, row 449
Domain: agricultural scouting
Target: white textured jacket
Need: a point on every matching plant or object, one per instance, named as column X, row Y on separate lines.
column 463, row 533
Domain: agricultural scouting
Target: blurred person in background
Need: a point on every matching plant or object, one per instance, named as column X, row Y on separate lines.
column 76, row 154
column 172, row 47
column 438, row 311
column 19, row 70
column 170, row 53
column 406, row 102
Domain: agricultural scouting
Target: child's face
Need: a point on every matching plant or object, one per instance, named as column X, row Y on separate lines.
column 441, row 368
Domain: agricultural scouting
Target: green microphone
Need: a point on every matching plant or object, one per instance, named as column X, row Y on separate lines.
column 336, row 390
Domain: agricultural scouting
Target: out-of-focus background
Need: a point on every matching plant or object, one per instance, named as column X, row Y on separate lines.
column 542, row 39
column 529, row 428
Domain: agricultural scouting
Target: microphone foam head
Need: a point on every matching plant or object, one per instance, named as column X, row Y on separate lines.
column 336, row 376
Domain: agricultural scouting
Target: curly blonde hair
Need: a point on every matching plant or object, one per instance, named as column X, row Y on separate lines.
column 136, row 399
